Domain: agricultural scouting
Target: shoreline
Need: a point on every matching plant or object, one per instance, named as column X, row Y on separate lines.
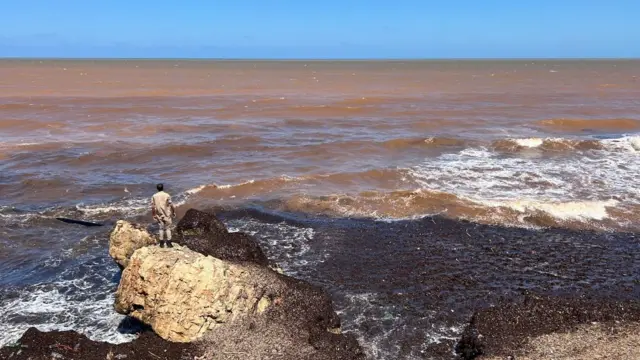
column 540, row 327
column 448, row 259
column 537, row 327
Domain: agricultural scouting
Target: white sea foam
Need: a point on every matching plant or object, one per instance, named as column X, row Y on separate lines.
column 132, row 206
column 284, row 178
column 363, row 309
column 571, row 210
column 624, row 144
column 28, row 144
column 78, row 298
column 580, row 186
column 359, row 308
column 288, row 245
column 20, row 218
column 530, row 142
column 129, row 207
column 634, row 141
column 47, row 308
column 229, row 186
column 195, row 190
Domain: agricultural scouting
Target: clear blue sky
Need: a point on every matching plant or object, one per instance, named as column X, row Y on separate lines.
column 320, row 29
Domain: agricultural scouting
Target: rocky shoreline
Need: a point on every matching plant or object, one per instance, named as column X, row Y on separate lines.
column 58, row 345
column 236, row 304
column 536, row 328
column 554, row 328
column 223, row 300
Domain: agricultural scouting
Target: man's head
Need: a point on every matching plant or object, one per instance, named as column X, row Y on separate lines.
column 160, row 187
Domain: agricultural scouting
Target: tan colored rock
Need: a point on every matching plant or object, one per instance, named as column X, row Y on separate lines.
column 182, row 293
column 227, row 295
column 126, row 238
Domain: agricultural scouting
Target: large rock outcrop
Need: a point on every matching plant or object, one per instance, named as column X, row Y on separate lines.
column 233, row 303
column 125, row 238
column 182, row 293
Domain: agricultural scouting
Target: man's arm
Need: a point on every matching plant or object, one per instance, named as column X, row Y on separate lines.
column 153, row 207
column 173, row 208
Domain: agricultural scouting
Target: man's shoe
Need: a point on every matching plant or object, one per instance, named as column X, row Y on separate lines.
column 169, row 245
column 161, row 243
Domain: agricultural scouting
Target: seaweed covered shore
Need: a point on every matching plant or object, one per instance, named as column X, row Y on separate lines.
column 396, row 284
column 554, row 328
column 537, row 327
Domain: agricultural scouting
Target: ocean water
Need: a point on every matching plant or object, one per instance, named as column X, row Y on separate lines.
column 414, row 192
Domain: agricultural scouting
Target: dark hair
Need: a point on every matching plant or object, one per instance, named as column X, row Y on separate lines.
column 160, row 187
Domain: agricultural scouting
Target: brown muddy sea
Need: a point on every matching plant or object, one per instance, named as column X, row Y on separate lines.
column 414, row 192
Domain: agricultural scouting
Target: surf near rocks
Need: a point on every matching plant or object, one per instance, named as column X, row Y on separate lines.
column 234, row 305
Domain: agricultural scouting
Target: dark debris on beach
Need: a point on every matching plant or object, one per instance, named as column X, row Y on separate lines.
column 503, row 331
column 69, row 345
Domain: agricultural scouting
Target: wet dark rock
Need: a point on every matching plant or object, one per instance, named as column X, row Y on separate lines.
column 38, row 345
column 202, row 232
column 201, row 221
column 503, row 331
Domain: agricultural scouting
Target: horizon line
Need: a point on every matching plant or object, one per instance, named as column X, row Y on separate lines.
column 295, row 59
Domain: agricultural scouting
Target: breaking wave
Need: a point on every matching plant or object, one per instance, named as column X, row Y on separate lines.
column 587, row 187
column 588, row 182
column 403, row 205
column 548, row 144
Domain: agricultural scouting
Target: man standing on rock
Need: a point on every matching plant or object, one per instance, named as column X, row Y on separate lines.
column 163, row 212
